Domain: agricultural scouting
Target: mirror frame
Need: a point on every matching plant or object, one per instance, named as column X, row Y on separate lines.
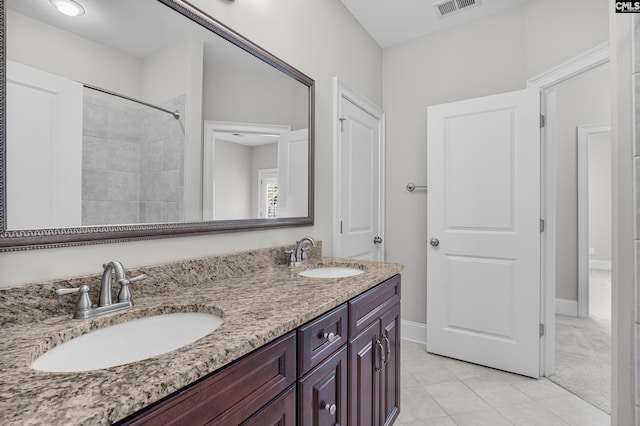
column 28, row 239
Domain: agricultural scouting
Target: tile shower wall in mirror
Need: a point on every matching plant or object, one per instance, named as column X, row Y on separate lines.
column 132, row 162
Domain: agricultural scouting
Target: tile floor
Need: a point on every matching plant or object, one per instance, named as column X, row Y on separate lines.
column 440, row 391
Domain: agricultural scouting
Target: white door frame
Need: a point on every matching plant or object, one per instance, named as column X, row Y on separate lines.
column 209, row 142
column 547, row 82
column 340, row 91
column 584, row 134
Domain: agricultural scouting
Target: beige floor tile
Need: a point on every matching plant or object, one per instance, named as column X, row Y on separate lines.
column 439, row 391
column 465, row 370
column 576, row 412
column 496, row 392
column 540, row 389
column 417, row 405
column 441, row 421
column 456, row 398
column 481, row 418
column 430, row 373
column 407, row 379
column 530, row 414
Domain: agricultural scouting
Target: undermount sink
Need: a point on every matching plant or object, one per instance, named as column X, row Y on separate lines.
column 128, row 342
column 331, row 272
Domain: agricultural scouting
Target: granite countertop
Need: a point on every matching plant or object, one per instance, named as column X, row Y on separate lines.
column 258, row 299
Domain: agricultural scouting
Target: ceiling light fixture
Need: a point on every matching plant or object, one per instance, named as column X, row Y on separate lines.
column 68, row 7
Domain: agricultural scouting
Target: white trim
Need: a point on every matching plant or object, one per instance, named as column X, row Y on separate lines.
column 413, row 331
column 208, row 176
column 604, row 265
column 547, row 82
column 340, row 91
column 585, row 132
column 572, row 68
column 566, row 307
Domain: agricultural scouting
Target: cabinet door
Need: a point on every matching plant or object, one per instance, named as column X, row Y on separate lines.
column 323, row 393
column 279, row 412
column 364, row 377
column 390, row 373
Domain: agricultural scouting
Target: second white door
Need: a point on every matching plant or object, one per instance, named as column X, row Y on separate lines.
column 483, row 274
column 359, row 177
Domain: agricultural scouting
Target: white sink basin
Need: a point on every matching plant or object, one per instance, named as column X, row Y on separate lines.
column 331, row 272
column 128, row 342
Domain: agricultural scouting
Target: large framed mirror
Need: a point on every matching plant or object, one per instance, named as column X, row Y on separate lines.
column 145, row 119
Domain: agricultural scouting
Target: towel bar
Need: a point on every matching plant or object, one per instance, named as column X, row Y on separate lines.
column 412, row 187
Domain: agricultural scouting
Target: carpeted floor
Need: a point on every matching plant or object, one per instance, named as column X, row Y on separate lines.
column 583, row 346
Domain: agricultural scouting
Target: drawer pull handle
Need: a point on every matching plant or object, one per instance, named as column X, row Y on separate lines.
column 331, row 408
column 388, row 345
column 330, row 337
column 379, row 356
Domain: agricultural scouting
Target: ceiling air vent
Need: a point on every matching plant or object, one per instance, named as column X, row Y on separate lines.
column 448, row 7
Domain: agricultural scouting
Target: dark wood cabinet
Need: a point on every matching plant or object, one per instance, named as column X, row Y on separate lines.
column 321, row 337
column 340, row 368
column 231, row 395
column 390, row 370
column 374, row 356
column 279, row 412
column 323, row 393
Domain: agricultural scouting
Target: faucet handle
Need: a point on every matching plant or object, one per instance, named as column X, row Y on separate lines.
column 292, row 257
column 127, row 281
column 124, row 295
column 84, row 301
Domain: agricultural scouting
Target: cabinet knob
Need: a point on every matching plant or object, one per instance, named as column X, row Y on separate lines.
column 331, row 408
column 330, row 337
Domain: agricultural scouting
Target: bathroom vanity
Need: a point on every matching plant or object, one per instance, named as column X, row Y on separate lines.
column 347, row 367
column 292, row 349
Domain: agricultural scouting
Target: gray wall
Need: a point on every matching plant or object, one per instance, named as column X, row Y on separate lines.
column 584, row 100
column 489, row 56
column 600, row 198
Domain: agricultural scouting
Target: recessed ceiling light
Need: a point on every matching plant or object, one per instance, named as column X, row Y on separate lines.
column 68, row 7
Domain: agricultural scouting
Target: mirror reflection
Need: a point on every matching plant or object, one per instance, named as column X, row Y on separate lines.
column 132, row 113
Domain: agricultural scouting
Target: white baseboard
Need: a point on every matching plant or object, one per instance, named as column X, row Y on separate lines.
column 600, row 264
column 567, row 307
column 413, row 331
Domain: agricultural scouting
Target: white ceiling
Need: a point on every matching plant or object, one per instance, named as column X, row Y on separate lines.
column 392, row 22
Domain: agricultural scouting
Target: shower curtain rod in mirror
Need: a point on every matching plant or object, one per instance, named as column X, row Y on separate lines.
column 176, row 114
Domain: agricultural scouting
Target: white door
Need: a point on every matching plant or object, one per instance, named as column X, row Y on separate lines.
column 483, row 264
column 360, row 166
column 44, row 149
column 293, row 174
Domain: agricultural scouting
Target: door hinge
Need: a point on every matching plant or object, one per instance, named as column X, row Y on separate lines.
column 541, row 225
column 543, row 121
column 541, row 330
column 342, row 124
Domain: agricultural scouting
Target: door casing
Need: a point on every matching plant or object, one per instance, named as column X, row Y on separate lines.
column 547, row 82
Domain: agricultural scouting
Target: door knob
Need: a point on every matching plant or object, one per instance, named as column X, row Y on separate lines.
column 377, row 240
column 434, row 242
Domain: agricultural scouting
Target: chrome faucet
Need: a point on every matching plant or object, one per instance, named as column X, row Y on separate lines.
column 85, row 309
column 299, row 255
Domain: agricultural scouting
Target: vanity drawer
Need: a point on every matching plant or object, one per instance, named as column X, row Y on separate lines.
column 315, row 343
column 368, row 307
column 232, row 394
